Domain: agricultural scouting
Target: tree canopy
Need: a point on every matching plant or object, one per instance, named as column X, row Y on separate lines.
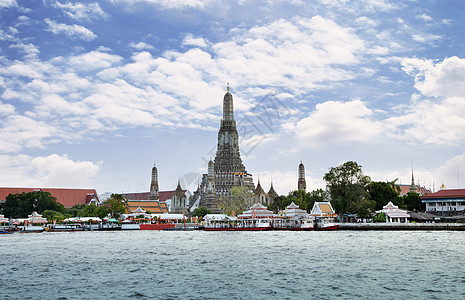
column 23, row 204
column 201, row 211
column 116, row 205
column 303, row 199
column 240, row 200
column 348, row 189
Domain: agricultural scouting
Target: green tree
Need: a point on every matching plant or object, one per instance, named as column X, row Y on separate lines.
column 348, row 189
column 241, row 199
column 23, row 204
column 116, row 205
column 53, row 215
column 102, row 212
column 379, row 218
column 88, row 211
column 412, row 201
column 75, row 210
column 382, row 193
column 201, row 211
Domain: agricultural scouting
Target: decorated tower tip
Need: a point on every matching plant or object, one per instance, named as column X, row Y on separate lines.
column 227, row 87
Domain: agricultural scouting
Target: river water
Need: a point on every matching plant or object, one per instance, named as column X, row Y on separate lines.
column 233, row 265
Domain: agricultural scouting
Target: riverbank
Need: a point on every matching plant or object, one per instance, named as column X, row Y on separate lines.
column 402, row 226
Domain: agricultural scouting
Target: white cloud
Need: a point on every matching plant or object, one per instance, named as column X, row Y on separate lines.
column 333, row 122
column 61, row 171
column 94, row 60
column 6, row 109
column 30, row 50
column 47, row 171
column 170, row 4
column 72, row 31
column 141, row 46
column 190, row 40
column 424, row 17
column 80, row 11
column 19, row 132
column 425, row 37
column 441, row 79
column 8, row 3
column 451, row 173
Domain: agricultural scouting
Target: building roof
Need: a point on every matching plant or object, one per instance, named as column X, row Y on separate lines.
column 147, row 205
column 393, row 211
column 67, row 197
column 322, row 209
column 405, row 189
column 164, row 195
column 445, row 194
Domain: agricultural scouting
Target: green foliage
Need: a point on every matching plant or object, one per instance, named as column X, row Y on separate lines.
column 412, row 201
column 22, row 205
column 201, row 211
column 241, row 199
column 53, row 215
column 348, row 189
column 102, row 212
column 88, row 211
column 379, row 218
column 74, row 211
column 382, row 193
column 116, row 205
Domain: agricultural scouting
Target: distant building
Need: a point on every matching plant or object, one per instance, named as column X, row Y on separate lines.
column 394, row 214
column 412, row 188
column 323, row 210
column 156, row 201
column 450, row 201
column 67, row 197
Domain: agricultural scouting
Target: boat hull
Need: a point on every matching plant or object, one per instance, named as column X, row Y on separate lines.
column 156, row 226
column 238, row 229
column 331, row 227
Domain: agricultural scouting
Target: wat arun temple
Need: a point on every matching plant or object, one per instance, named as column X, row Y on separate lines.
column 227, row 170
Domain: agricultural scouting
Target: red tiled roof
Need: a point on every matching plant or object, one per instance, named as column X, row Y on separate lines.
column 67, row 197
column 449, row 193
column 164, row 195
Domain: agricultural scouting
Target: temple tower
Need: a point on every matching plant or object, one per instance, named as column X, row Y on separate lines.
column 413, row 187
column 227, row 168
column 301, row 184
column 154, row 184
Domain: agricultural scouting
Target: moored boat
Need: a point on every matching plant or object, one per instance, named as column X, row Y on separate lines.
column 234, row 224
column 64, row 227
column 31, row 229
column 326, row 224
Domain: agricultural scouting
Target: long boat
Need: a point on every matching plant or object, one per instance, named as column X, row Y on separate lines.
column 64, row 228
column 238, row 225
column 31, row 229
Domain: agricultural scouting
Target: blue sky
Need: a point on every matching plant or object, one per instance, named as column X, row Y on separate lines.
column 93, row 93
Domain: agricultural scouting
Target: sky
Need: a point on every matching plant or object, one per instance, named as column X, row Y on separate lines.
column 94, row 93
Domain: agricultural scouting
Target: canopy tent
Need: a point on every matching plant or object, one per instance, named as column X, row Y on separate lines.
column 171, row 216
column 35, row 218
column 216, row 217
column 3, row 219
